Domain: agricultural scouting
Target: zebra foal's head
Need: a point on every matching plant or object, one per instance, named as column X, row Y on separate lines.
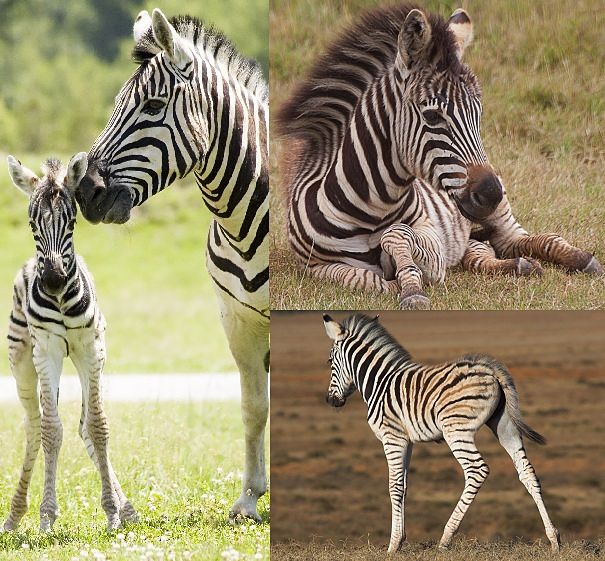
column 52, row 215
column 341, row 379
column 441, row 112
column 158, row 128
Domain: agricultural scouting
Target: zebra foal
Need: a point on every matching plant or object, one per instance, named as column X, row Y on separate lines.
column 410, row 402
column 55, row 314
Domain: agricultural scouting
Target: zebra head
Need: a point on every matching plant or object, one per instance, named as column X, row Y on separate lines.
column 440, row 110
column 341, row 378
column 158, row 130
column 52, row 216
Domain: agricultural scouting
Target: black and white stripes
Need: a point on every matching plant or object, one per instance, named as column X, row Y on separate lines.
column 410, row 402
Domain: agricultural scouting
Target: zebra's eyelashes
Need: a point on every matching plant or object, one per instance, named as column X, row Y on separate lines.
column 153, row 106
column 433, row 117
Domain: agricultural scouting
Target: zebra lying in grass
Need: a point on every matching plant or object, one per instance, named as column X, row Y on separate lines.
column 55, row 314
column 410, row 402
column 389, row 184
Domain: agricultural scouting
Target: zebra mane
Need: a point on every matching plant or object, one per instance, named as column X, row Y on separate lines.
column 214, row 44
column 375, row 335
column 53, row 174
column 361, row 54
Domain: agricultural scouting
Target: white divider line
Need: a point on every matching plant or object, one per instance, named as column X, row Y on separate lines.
column 144, row 387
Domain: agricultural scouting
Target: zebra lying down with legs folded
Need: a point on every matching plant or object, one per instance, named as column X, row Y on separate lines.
column 55, row 315
column 410, row 402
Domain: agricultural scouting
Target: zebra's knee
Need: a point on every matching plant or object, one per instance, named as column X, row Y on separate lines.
column 254, row 415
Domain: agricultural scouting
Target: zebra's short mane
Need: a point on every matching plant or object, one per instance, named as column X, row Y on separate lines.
column 375, row 335
column 52, row 169
column 362, row 53
column 213, row 42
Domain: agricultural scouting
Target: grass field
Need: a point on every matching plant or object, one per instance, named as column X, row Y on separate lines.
column 329, row 464
column 180, row 471
column 150, row 276
column 540, row 67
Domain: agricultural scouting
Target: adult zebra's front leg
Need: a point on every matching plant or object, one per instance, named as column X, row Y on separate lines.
column 398, row 455
column 248, row 335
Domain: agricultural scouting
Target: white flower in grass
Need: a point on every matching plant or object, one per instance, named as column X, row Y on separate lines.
column 25, row 546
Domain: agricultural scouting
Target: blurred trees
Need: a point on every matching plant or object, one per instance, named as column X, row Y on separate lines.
column 63, row 61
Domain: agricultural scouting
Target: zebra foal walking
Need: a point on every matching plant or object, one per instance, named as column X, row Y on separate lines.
column 410, row 402
column 55, row 315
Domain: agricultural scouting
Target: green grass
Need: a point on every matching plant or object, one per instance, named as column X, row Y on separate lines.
column 540, row 68
column 150, row 274
column 180, row 471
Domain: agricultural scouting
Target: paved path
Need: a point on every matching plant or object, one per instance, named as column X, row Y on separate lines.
column 145, row 387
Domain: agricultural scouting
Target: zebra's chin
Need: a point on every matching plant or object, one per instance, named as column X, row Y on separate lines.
column 334, row 400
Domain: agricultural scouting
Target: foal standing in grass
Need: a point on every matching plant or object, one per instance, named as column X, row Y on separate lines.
column 410, row 402
column 55, row 314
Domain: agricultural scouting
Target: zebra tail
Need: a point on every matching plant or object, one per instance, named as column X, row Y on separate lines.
column 511, row 399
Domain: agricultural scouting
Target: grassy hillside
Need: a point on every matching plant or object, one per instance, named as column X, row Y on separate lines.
column 540, row 66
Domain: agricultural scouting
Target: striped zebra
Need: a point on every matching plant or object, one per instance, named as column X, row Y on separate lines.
column 55, row 315
column 388, row 180
column 194, row 105
column 410, row 402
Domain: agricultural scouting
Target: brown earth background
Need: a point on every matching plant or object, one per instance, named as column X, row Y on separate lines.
column 328, row 472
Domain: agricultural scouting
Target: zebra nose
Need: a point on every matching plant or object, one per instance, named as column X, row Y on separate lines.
column 483, row 193
column 53, row 277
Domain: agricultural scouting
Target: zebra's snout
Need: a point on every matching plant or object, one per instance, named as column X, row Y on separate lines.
column 482, row 195
column 53, row 277
column 334, row 400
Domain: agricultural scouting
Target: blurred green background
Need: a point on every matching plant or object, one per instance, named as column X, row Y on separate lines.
column 62, row 64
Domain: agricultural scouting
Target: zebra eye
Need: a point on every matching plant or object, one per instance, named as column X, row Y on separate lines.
column 72, row 224
column 153, row 106
column 32, row 225
column 433, row 118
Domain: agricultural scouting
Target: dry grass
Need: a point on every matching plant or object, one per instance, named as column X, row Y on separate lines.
column 540, row 67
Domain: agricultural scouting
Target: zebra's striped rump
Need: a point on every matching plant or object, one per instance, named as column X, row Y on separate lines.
column 410, row 402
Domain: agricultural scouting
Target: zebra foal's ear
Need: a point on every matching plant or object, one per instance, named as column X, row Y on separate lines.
column 169, row 40
column 333, row 328
column 461, row 26
column 24, row 179
column 414, row 37
column 76, row 170
column 141, row 27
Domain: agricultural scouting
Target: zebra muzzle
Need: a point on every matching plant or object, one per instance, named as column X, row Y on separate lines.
column 334, row 400
column 482, row 195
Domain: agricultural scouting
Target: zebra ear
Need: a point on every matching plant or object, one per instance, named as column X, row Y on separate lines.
column 169, row 40
column 333, row 328
column 24, row 179
column 76, row 170
column 142, row 26
column 414, row 37
column 461, row 26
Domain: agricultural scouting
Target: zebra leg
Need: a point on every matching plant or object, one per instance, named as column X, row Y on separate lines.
column 48, row 359
column 480, row 257
column 510, row 240
column 248, row 338
column 417, row 258
column 510, row 438
column 27, row 389
column 475, row 470
column 354, row 278
column 398, row 457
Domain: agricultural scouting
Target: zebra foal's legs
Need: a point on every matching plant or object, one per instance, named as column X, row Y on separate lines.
column 354, row 278
column 398, row 457
column 509, row 437
column 462, row 445
column 248, row 338
column 418, row 259
column 480, row 257
column 25, row 375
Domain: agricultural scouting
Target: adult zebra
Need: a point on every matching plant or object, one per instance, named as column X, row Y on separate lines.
column 388, row 181
column 194, row 105
column 410, row 402
column 55, row 314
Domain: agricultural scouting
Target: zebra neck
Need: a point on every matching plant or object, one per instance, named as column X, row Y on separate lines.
column 233, row 177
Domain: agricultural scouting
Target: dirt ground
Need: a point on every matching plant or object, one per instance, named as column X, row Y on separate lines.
column 329, row 475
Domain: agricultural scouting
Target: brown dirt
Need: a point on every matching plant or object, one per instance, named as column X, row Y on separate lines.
column 329, row 475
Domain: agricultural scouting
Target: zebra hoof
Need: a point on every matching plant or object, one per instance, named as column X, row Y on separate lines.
column 415, row 302
column 527, row 266
column 128, row 514
column 593, row 267
column 555, row 541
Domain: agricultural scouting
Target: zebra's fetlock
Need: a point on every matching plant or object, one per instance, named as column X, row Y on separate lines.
column 414, row 302
column 527, row 266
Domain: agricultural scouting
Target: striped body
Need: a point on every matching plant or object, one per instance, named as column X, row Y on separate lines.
column 195, row 106
column 410, row 402
column 55, row 315
column 384, row 164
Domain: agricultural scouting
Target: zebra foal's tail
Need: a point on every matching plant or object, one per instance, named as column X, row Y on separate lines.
column 511, row 398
